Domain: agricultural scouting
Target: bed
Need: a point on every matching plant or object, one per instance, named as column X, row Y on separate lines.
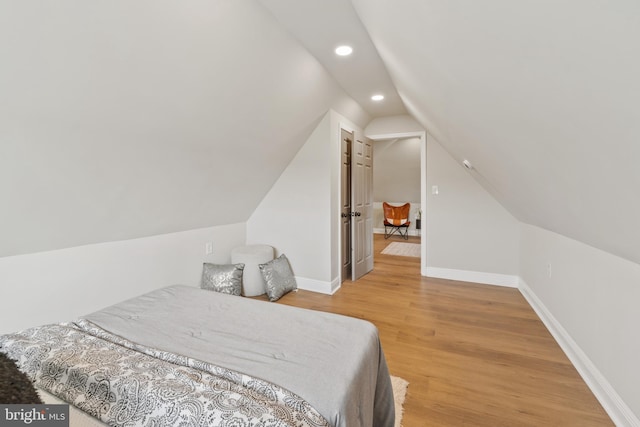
column 199, row 357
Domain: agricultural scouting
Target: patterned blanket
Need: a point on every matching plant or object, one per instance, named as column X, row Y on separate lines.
column 123, row 383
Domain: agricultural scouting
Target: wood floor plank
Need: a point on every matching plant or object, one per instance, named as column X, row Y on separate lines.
column 474, row 355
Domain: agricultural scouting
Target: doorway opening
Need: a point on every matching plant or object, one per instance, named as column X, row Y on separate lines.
column 415, row 143
column 396, row 181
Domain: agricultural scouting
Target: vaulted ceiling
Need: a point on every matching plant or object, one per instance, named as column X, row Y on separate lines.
column 321, row 26
column 542, row 97
column 127, row 119
column 119, row 119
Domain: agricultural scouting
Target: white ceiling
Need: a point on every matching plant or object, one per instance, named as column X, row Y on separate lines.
column 321, row 26
column 110, row 111
column 541, row 96
column 121, row 120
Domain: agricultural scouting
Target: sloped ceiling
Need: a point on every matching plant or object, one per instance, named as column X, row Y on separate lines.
column 122, row 119
column 126, row 119
column 323, row 25
column 542, row 97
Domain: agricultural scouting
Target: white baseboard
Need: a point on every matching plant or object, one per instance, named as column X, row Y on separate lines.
column 319, row 286
column 612, row 403
column 473, row 276
column 336, row 285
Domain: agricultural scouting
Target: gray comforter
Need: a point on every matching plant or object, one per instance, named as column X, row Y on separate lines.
column 125, row 384
column 334, row 362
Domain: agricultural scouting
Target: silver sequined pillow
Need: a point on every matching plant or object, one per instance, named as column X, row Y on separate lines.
column 278, row 277
column 223, row 278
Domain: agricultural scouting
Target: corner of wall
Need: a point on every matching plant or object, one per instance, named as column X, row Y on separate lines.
column 467, row 229
column 319, row 286
column 298, row 205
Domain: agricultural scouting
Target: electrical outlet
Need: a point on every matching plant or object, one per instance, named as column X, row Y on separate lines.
column 208, row 248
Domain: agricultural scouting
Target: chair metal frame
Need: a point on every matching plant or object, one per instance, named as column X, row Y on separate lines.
column 396, row 213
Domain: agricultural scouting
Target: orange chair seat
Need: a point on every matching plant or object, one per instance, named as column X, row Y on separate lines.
column 396, row 217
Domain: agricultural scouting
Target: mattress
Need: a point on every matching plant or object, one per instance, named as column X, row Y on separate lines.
column 333, row 362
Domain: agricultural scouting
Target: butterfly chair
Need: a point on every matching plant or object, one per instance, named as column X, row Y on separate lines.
column 396, row 220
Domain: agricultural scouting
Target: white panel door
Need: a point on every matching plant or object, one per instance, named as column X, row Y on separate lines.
column 362, row 207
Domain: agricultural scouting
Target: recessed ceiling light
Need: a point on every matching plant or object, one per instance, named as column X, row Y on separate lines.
column 344, row 50
column 377, row 97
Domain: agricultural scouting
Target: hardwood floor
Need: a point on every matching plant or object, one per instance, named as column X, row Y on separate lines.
column 474, row 355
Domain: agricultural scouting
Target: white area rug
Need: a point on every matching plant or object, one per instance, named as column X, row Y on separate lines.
column 402, row 249
column 399, row 386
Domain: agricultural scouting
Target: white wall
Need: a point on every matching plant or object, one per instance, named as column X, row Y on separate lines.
column 469, row 235
column 396, row 170
column 300, row 215
column 57, row 286
column 589, row 299
column 549, row 117
column 294, row 215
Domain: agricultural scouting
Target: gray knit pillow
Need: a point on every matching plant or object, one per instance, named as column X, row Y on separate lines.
column 278, row 277
column 223, row 278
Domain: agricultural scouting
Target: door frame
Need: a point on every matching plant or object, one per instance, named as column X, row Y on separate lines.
column 422, row 135
column 335, row 218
